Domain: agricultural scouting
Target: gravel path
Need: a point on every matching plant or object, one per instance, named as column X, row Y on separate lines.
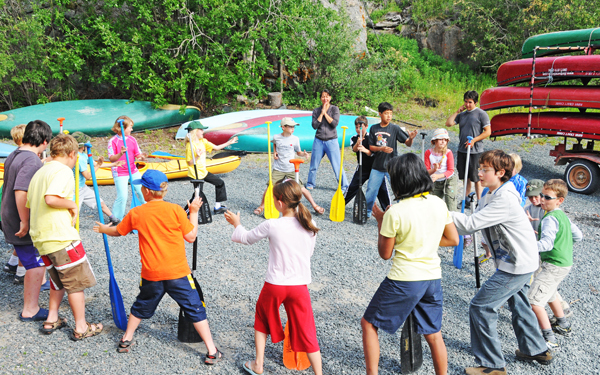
column 346, row 272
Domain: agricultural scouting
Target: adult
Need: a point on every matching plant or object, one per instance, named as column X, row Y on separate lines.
column 325, row 120
column 474, row 122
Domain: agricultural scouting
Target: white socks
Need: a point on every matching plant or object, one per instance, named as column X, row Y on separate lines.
column 14, row 260
column 20, row 271
column 217, row 205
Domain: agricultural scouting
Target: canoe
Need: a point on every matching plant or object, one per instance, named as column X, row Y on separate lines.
column 549, row 69
column 551, row 96
column 176, row 168
column 255, row 139
column 571, row 38
column 227, row 119
column 96, row 117
column 562, row 124
column 6, row 149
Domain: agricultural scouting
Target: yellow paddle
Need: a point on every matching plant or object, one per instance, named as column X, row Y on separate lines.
column 337, row 212
column 270, row 210
column 77, row 189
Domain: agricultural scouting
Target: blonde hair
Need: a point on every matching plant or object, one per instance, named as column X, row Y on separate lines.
column 557, row 186
column 192, row 136
column 17, row 133
column 127, row 122
column 161, row 193
column 290, row 193
column 518, row 163
column 63, row 145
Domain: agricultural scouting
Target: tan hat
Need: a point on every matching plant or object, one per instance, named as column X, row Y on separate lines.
column 288, row 121
column 440, row 134
column 534, row 188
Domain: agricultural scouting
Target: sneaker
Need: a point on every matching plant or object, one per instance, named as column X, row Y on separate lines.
column 544, row 358
column 485, row 370
column 468, row 240
column 467, row 207
column 552, row 345
column 19, row 280
column 114, row 221
column 10, row 269
column 568, row 313
column 560, row 329
column 220, row 210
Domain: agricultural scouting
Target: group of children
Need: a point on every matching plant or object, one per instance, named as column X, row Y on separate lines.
column 38, row 206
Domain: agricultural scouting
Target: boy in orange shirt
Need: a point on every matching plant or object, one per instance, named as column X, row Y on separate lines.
column 162, row 227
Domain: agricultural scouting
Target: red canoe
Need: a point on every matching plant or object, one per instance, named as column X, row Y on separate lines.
column 562, row 124
column 549, row 69
column 552, row 96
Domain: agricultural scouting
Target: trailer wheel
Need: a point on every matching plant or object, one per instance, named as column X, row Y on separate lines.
column 582, row 176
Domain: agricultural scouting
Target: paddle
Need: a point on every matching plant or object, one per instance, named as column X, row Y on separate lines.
column 337, row 211
column 116, row 301
column 477, row 278
column 270, row 210
column 411, row 351
column 134, row 200
column 60, row 120
column 458, row 249
column 291, row 359
column 297, row 163
column 77, row 189
column 359, row 211
column 204, row 215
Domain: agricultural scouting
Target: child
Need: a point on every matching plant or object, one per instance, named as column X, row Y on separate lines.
column 414, row 227
column 53, row 213
column 507, row 232
column 291, row 243
column 197, row 144
column 519, row 181
column 162, row 227
column 382, row 141
column 360, row 144
column 19, row 168
column 86, row 195
column 439, row 162
column 556, row 235
column 285, row 146
column 116, row 152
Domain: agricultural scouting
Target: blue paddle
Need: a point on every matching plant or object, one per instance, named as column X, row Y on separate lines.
column 116, row 301
column 458, row 249
column 134, row 200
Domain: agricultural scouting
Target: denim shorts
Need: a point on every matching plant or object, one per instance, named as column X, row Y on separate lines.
column 394, row 300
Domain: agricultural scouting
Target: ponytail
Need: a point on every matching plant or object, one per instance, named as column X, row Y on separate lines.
column 304, row 217
column 290, row 193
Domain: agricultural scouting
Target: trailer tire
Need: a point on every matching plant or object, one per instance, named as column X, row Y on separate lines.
column 582, row 176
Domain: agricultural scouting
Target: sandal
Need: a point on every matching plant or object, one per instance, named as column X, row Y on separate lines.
column 319, row 210
column 60, row 322
column 124, row 346
column 89, row 332
column 212, row 359
column 259, row 210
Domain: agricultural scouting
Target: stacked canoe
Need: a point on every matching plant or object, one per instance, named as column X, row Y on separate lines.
column 547, row 68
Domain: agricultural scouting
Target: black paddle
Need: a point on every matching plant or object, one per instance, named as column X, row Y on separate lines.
column 204, row 215
column 411, row 352
column 477, row 278
column 359, row 212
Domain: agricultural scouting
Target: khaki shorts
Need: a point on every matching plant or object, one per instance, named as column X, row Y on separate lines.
column 545, row 284
column 69, row 269
column 87, row 196
column 279, row 176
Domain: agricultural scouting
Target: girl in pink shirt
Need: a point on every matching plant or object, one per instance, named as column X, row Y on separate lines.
column 439, row 162
column 291, row 244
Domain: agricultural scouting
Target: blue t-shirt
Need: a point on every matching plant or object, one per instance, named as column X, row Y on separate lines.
column 83, row 166
column 521, row 185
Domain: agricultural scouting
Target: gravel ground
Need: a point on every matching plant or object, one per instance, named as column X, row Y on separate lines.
column 346, row 272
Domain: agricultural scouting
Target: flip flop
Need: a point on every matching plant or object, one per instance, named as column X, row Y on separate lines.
column 42, row 314
column 319, row 210
column 248, row 369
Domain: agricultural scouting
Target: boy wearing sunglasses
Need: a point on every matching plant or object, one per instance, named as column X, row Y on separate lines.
column 556, row 235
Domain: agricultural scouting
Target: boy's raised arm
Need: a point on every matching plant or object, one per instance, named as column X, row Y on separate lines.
column 494, row 213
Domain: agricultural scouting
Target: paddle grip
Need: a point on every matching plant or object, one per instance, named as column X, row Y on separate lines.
column 296, row 163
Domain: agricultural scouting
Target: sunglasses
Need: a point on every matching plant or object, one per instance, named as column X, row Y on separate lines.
column 547, row 197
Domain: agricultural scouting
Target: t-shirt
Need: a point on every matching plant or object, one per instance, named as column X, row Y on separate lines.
column 161, row 226
column 286, row 150
column 446, row 163
column 385, row 136
column 133, row 150
column 367, row 160
column 19, row 168
column 418, row 225
column 51, row 229
column 83, row 166
column 521, row 185
column 536, row 212
column 471, row 123
column 201, row 146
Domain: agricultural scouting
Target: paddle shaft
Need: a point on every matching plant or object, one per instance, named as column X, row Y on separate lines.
column 270, row 211
column 458, row 250
column 134, row 200
column 77, row 190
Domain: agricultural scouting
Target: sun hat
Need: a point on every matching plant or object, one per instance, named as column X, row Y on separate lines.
column 196, row 124
column 440, row 134
column 151, row 179
column 534, row 188
column 81, row 138
column 288, row 121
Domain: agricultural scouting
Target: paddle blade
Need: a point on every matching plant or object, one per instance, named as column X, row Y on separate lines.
column 359, row 211
column 186, row 332
column 337, row 212
column 270, row 210
column 411, row 352
column 291, row 359
column 458, row 254
column 116, row 303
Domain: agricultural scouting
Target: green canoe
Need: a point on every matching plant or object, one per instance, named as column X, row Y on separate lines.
column 97, row 116
column 572, row 38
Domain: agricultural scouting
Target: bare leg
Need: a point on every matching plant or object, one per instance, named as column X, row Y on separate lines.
column 132, row 324
column 556, row 307
column 204, row 331
column 77, row 303
column 105, row 209
column 260, row 341
column 315, row 362
column 54, row 301
column 542, row 316
column 262, row 203
column 370, row 346
column 438, row 352
column 309, row 197
column 31, row 291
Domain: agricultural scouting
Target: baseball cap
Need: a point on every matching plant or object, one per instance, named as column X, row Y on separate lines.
column 81, row 138
column 440, row 134
column 534, row 188
column 288, row 121
column 196, row 124
column 151, row 179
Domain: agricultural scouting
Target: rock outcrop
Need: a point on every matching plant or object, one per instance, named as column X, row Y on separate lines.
column 356, row 13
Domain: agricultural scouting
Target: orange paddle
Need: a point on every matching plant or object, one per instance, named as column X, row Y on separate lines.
column 291, row 359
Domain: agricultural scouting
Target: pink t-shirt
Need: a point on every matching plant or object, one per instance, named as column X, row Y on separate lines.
column 290, row 249
column 133, row 149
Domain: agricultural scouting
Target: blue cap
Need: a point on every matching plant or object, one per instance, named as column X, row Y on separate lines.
column 151, row 179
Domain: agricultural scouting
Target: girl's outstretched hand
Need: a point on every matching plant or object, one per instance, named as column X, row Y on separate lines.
column 378, row 213
column 233, row 219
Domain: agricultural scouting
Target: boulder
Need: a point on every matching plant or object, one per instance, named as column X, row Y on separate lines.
column 357, row 16
column 275, row 99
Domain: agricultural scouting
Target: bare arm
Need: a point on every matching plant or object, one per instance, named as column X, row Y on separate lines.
column 55, row 201
column 487, row 131
column 21, row 201
column 385, row 245
column 106, row 229
column 450, row 236
column 194, row 208
column 450, row 121
column 229, row 142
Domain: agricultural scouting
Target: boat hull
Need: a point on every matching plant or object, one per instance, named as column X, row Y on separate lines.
column 552, row 97
column 571, row 38
column 561, row 124
column 549, row 69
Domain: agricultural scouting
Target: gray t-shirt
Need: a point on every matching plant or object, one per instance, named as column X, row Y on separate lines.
column 19, row 168
column 536, row 212
column 286, row 150
column 471, row 123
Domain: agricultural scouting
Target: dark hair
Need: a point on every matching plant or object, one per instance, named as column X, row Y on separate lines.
column 498, row 160
column 362, row 119
column 385, row 106
column 325, row 91
column 408, row 176
column 36, row 133
column 290, row 193
column 472, row 94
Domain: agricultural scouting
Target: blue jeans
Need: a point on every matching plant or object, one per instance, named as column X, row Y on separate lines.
column 483, row 316
column 121, row 183
column 319, row 149
column 375, row 180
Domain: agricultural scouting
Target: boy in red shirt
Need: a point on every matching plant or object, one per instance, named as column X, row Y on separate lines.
column 162, row 227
